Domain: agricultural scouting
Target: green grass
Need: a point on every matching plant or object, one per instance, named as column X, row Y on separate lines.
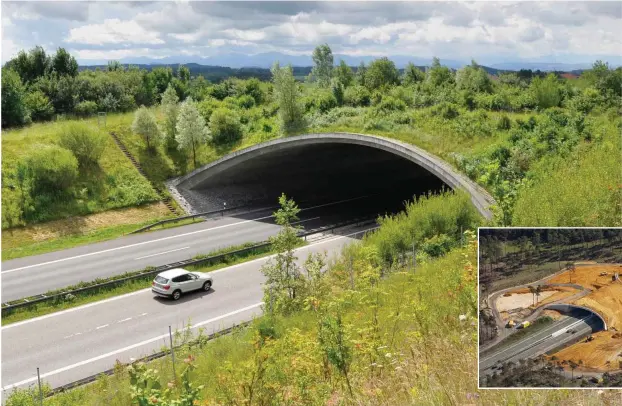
column 95, row 295
column 115, row 183
column 427, row 355
column 74, row 240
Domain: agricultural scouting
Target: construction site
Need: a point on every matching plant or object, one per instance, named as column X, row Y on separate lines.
column 569, row 320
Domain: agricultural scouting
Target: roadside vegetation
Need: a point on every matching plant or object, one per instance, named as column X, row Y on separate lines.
column 547, row 148
column 370, row 330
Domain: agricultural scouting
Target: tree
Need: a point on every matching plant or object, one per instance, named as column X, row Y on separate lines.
column 538, row 291
column 532, row 290
column 283, row 277
column 14, row 110
column 439, row 75
column 183, row 73
column 547, row 92
column 64, row 64
column 343, row 74
column 85, row 142
column 171, row 111
column 337, row 90
column 571, row 269
column 412, row 75
column 146, row 126
column 322, row 64
column 191, row 131
column 381, row 72
column 286, row 92
column 360, row 74
column 114, row 66
column 225, row 126
column 473, row 78
column 32, row 65
column 39, row 106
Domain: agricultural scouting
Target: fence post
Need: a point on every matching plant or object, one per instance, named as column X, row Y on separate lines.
column 170, row 335
column 40, row 391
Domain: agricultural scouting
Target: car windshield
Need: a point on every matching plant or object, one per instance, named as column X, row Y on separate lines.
column 160, row 279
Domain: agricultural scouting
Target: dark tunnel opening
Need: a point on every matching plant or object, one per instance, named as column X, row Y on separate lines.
column 316, row 174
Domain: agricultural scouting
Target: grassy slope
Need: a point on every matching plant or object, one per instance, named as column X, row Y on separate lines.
column 427, row 354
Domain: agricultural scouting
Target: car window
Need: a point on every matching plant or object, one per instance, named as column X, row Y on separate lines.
column 161, row 280
column 181, row 278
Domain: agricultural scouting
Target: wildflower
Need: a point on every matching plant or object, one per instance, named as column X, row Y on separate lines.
column 462, row 317
column 388, row 355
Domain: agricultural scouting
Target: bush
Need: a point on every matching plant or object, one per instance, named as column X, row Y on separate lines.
column 246, row 101
column 390, row 104
column 87, row 144
column 225, row 126
column 126, row 103
column 504, row 123
column 325, row 102
column 54, row 169
column 447, row 111
column 39, row 106
column 207, row 107
column 357, row 96
column 86, row 108
column 437, row 245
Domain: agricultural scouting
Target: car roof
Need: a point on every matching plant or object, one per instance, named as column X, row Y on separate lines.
column 171, row 273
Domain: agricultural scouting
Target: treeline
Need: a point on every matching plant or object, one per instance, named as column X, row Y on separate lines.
column 550, row 236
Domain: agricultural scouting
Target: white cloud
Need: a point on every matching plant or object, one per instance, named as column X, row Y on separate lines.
column 246, row 35
column 113, row 31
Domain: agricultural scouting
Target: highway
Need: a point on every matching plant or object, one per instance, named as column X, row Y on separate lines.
column 38, row 274
column 87, row 340
column 535, row 344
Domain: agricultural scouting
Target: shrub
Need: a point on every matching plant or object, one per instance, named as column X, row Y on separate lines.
column 437, row 245
column 54, row 169
column 85, row 143
column 326, row 101
column 86, row 108
column 246, row 101
column 504, row 123
column 225, row 126
column 126, row 103
column 207, row 107
column 39, row 106
column 447, row 111
column 389, row 104
column 357, row 96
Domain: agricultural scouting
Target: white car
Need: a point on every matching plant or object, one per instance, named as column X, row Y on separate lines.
column 173, row 283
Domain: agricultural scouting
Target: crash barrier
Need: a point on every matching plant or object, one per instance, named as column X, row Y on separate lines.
column 194, row 216
column 33, row 300
column 197, row 342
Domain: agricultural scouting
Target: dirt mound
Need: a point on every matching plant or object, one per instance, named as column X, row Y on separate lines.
column 600, row 354
column 607, row 301
column 588, row 276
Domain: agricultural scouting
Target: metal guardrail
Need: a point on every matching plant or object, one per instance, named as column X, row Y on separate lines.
column 194, row 216
column 148, row 358
column 193, row 261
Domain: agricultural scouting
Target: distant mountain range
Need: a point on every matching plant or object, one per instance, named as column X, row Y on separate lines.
column 265, row 60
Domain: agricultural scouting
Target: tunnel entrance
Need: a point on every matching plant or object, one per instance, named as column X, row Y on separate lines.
column 317, row 173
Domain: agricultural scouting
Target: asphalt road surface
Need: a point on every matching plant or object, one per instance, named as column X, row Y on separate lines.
column 538, row 343
column 38, row 274
column 87, row 340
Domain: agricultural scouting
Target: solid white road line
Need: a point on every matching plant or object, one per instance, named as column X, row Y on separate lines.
column 105, row 325
column 138, row 292
column 167, row 238
column 115, row 352
column 161, row 253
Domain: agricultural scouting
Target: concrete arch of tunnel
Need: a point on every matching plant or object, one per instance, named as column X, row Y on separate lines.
column 432, row 164
column 568, row 308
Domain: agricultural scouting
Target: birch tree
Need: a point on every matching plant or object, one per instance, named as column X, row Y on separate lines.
column 191, row 130
column 170, row 107
column 146, row 126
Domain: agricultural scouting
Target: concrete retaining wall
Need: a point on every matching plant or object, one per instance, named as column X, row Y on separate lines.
column 567, row 308
column 480, row 198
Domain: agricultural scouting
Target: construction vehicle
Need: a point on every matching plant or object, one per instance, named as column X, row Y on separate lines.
column 525, row 324
column 603, row 274
column 510, row 324
column 590, row 338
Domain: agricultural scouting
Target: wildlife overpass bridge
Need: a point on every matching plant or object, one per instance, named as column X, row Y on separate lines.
column 331, row 166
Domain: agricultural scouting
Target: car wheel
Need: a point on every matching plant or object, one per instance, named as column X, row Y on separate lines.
column 176, row 295
column 207, row 286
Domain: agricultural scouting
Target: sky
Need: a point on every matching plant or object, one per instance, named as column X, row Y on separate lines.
column 490, row 32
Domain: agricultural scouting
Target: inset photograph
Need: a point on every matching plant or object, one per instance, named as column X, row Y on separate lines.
column 550, row 307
